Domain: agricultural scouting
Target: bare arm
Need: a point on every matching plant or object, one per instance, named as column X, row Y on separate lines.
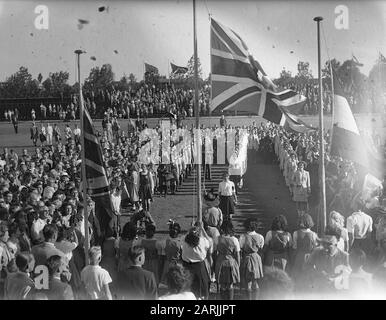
column 107, row 291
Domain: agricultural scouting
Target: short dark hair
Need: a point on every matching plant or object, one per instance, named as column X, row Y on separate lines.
column 251, row 224
column 22, row 259
column 193, row 237
column 305, row 221
column 134, row 252
column 279, row 223
column 129, row 231
column 150, row 230
column 50, row 231
column 227, row 227
column 178, row 279
column 174, row 229
column 53, row 264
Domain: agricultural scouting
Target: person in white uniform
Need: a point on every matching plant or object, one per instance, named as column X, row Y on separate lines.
column 227, row 193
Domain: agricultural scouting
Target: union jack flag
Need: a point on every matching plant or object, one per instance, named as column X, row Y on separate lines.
column 97, row 182
column 240, row 83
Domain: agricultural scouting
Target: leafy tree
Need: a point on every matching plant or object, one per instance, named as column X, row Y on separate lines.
column 19, row 85
column 190, row 66
column 132, row 79
column 48, row 87
column 59, row 82
column 354, row 84
column 123, row 84
column 377, row 85
column 304, row 73
column 99, row 78
column 326, row 74
column 284, row 78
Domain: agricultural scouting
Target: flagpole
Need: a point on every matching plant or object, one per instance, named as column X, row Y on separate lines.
column 83, row 163
column 169, row 72
column 322, row 180
column 199, row 202
column 332, row 100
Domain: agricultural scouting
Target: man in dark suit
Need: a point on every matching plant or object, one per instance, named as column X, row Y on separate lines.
column 136, row 283
column 57, row 289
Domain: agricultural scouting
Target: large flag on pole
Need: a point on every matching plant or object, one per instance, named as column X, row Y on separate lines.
column 295, row 124
column 239, row 83
column 177, row 69
column 97, row 182
column 346, row 140
column 150, row 68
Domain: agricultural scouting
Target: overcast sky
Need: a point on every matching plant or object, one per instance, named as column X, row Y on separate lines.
column 278, row 34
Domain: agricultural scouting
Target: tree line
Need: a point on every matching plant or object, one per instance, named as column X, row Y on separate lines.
column 364, row 89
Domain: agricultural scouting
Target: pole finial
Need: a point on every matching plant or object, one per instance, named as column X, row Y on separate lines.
column 318, row 19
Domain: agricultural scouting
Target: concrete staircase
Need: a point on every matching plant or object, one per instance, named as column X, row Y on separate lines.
column 189, row 187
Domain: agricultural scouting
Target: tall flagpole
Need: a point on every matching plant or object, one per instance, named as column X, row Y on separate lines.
column 332, row 100
column 83, row 168
column 322, row 180
column 199, row 202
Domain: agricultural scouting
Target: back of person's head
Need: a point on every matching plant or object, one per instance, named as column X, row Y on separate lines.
column 23, row 260
column 336, row 219
column 251, row 224
column 178, row 279
column 50, row 232
column 357, row 259
column 129, row 231
column 279, row 223
column 305, row 221
column 193, row 237
column 53, row 264
column 95, row 254
column 276, row 285
column 174, row 229
column 136, row 253
column 150, row 230
column 227, row 227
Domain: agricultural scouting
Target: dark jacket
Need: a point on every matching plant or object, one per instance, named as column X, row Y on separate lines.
column 136, row 283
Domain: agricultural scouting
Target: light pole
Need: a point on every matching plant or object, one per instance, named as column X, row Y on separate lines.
column 321, row 140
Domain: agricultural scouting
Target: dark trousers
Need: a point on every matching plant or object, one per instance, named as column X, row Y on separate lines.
column 208, row 171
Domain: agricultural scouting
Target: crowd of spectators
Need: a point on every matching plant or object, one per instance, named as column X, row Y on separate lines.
column 144, row 102
column 41, row 213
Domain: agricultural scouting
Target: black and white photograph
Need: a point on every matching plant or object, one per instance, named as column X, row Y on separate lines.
column 206, row 151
